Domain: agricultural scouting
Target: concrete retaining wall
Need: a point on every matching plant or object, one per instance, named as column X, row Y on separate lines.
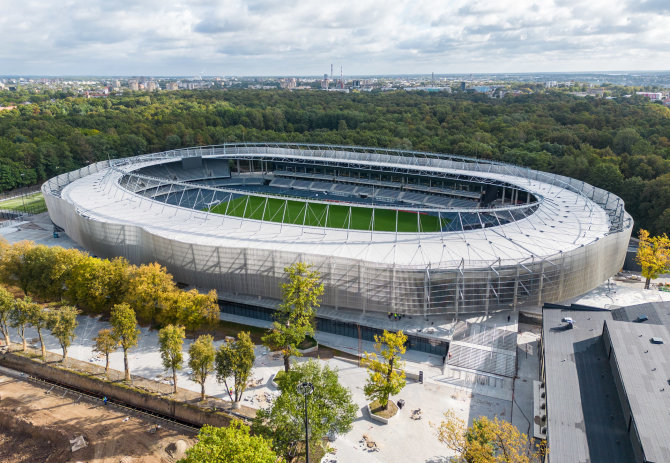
column 116, row 392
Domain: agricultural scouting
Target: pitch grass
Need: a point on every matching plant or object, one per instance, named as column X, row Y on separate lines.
column 30, row 203
column 328, row 215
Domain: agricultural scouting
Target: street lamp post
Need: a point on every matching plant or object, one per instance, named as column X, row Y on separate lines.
column 306, row 388
column 23, row 196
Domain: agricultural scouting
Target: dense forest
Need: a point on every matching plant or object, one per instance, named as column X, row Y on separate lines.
column 622, row 144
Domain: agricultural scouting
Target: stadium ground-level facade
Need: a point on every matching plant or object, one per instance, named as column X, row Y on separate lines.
column 499, row 236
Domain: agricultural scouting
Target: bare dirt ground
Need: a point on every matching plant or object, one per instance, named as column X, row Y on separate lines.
column 20, row 446
column 35, row 426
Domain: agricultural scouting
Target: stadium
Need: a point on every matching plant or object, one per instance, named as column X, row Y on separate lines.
column 406, row 232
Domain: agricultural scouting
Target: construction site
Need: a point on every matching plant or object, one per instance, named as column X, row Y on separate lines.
column 41, row 422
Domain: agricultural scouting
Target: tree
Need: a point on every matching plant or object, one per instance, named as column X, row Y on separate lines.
column 488, row 441
column 653, row 255
column 452, row 433
column 38, row 318
column 7, row 303
column 12, row 268
column 232, row 444
column 625, row 139
column 19, row 317
column 105, row 343
column 124, row 331
column 148, row 290
column 62, row 323
column 606, row 175
column 294, row 320
column 201, row 360
column 236, row 359
column 48, row 269
column 189, row 308
column 386, row 376
column 330, row 407
column 98, row 284
column 171, row 340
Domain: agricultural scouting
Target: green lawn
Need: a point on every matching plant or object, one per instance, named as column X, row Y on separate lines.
column 31, row 203
column 327, row 215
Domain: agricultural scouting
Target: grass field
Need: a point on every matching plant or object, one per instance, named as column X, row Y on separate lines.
column 33, row 203
column 334, row 216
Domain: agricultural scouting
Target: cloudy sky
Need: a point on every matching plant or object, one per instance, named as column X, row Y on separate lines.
column 303, row 37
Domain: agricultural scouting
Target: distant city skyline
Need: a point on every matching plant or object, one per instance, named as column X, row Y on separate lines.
column 267, row 38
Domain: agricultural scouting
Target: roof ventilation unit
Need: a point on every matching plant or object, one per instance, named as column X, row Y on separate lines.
column 656, row 340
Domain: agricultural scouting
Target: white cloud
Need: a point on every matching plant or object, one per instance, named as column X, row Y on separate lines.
column 304, row 37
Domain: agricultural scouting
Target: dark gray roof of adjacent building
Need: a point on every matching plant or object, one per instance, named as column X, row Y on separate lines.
column 657, row 313
column 644, row 368
column 585, row 420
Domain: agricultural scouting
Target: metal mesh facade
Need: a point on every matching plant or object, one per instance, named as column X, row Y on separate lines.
column 444, row 273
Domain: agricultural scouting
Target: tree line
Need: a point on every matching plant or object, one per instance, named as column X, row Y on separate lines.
column 95, row 285
column 60, row 320
column 620, row 144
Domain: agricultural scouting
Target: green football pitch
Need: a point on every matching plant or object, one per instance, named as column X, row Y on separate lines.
column 33, row 203
column 328, row 215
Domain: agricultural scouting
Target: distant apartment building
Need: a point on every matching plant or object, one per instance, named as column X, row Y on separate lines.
column 594, row 92
column 653, row 96
column 482, row 89
column 428, row 89
column 133, row 85
column 195, row 84
column 288, row 83
column 172, row 85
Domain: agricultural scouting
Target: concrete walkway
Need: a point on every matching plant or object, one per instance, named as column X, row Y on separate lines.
column 37, row 228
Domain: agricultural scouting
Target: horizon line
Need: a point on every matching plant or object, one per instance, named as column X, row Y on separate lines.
column 603, row 72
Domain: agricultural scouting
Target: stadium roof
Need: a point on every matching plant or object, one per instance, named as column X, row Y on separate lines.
column 564, row 220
